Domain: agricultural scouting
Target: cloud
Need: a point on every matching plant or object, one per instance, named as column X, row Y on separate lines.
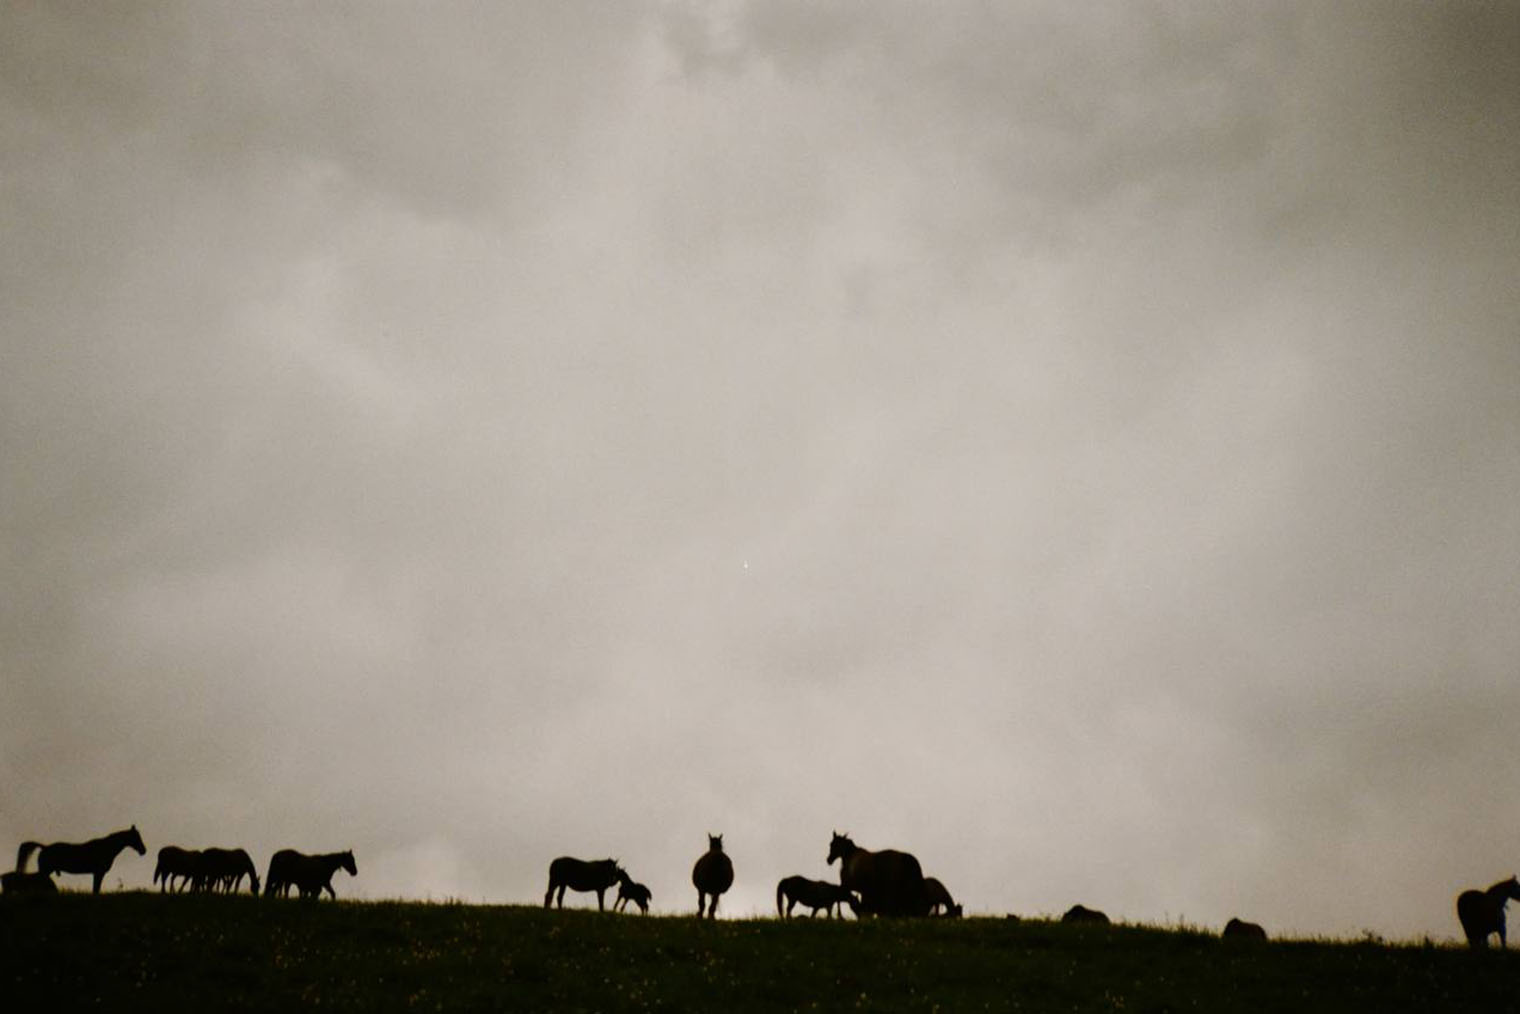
column 1073, row 444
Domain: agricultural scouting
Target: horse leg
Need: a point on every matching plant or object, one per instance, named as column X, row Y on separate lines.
column 101, row 875
column 701, row 902
column 599, row 906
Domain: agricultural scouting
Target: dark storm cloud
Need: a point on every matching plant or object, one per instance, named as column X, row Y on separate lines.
column 1081, row 437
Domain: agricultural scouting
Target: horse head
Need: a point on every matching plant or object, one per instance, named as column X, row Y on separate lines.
column 840, row 846
column 135, row 840
column 1512, row 886
column 714, row 842
column 346, row 860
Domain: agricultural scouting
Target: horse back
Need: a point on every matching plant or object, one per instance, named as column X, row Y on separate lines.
column 713, row 873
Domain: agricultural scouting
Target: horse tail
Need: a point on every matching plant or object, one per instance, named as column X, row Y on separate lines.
column 26, row 849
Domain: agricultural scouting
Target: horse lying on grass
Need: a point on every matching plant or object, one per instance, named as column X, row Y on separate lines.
column 1239, row 929
column 17, row 882
column 1081, row 914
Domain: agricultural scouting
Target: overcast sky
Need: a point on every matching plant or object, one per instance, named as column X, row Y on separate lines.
column 1076, row 443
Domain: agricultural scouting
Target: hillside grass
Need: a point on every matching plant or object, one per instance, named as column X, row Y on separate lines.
column 129, row 951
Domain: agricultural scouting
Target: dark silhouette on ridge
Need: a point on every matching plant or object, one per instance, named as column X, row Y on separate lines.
column 1239, row 929
column 224, row 869
column 1083, row 914
column 173, row 862
column 815, row 894
column 711, row 876
column 310, row 875
column 939, row 898
column 93, row 857
column 888, row 882
column 629, row 890
column 582, row 875
column 1482, row 912
column 17, row 882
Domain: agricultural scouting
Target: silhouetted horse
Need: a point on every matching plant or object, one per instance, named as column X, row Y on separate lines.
column 17, row 882
column 1083, row 914
column 939, row 898
column 224, row 870
column 310, row 875
column 582, row 875
column 815, row 894
column 888, row 882
column 711, row 876
column 1482, row 912
column 630, row 891
column 93, row 857
column 1239, row 929
column 174, row 861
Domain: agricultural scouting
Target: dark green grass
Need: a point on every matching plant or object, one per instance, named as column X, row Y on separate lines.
column 138, row 951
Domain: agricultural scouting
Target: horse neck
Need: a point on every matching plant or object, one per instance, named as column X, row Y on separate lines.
column 117, row 841
column 1502, row 892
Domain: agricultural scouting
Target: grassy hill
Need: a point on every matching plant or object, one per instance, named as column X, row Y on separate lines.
column 139, row 951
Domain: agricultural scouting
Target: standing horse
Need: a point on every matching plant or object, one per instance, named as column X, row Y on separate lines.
column 224, row 869
column 582, row 875
column 888, row 882
column 939, row 899
column 311, row 875
column 629, row 890
column 93, row 857
column 711, row 876
column 1482, row 912
column 815, row 894
column 174, row 861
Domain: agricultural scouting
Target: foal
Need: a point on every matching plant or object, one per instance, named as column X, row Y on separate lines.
column 815, row 894
column 628, row 891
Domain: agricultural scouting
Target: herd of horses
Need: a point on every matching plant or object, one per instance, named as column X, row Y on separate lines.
column 178, row 869
column 884, row 882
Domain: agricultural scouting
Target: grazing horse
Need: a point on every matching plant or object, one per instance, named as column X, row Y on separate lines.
column 1239, row 929
column 93, row 857
column 224, row 869
column 1482, row 912
column 1083, row 914
column 17, row 882
column 311, row 875
column 582, row 875
column 174, row 861
column 939, row 898
column 628, row 891
column 815, row 894
column 888, row 882
column 711, row 876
